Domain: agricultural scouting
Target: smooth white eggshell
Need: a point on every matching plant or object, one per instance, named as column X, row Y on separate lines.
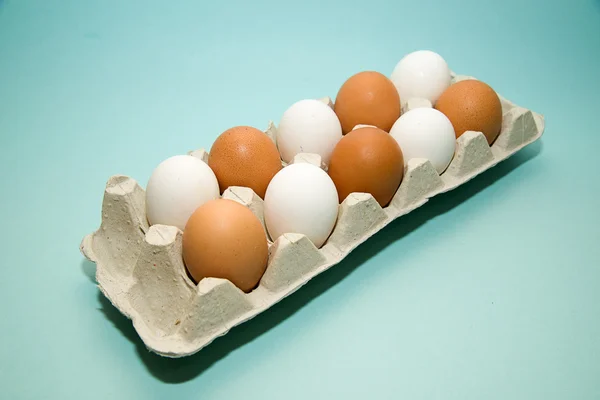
column 421, row 74
column 308, row 126
column 178, row 186
column 426, row 133
column 301, row 198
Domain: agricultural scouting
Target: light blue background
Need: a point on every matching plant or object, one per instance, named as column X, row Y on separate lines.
column 488, row 292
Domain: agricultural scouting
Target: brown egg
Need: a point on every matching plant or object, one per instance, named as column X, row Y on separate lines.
column 367, row 160
column 472, row 105
column 224, row 239
column 367, row 98
column 244, row 156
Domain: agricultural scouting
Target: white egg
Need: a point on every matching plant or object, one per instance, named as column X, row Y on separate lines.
column 308, row 126
column 178, row 186
column 426, row 133
column 301, row 198
column 422, row 74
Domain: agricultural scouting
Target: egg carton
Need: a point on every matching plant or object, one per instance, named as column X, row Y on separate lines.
column 140, row 267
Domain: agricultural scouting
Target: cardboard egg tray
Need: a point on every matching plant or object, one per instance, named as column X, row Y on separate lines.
column 140, row 267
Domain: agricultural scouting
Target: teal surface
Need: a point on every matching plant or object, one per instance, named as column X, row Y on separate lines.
column 487, row 292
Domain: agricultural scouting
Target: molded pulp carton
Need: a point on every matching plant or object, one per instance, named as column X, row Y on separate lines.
column 141, row 271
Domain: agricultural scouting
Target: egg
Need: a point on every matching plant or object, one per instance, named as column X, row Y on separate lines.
column 308, row 126
column 425, row 133
column 367, row 98
column 244, row 156
column 421, row 74
column 472, row 105
column 367, row 160
column 302, row 199
column 224, row 239
column 176, row 187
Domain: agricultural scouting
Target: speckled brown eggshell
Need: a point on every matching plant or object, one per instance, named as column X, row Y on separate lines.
column 244, row 156
column 224, row 239
column 367, row 160
column 367, row 98
column 472, row 105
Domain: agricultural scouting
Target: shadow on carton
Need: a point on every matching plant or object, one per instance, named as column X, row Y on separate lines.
column 183, row 369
